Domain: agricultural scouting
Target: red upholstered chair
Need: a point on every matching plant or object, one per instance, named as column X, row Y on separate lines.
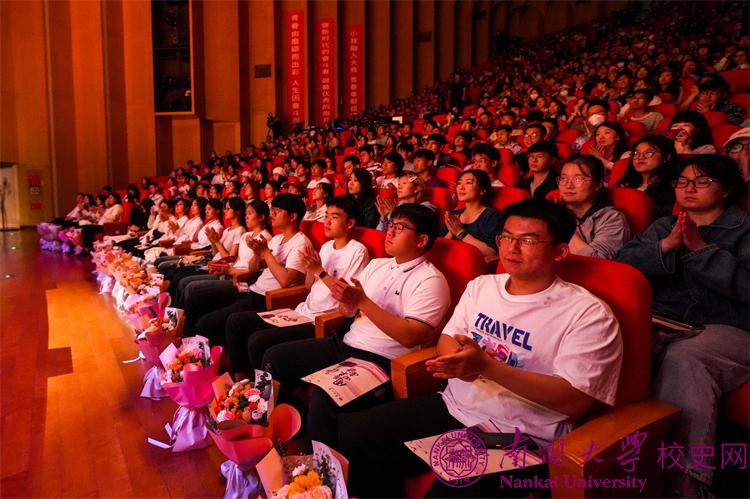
column 440, row 119
column 314, row 232
column 666, row 97
column 564, row 151
column 506, row 155
column 667, row 109
column 635, row 128
column 715, row 118
column 738, row 79
column 374, row 241
column 721, row 133
column 460, row 158
column 635, row 205
column 568, row 136
column 509, row 174
column 742, row 100
column 449, row 175
column 630, row 301
column 388, row 193
column 505, row 196
column 618, row 170
column 735, row 405
column 440, row 197
column 292, row 180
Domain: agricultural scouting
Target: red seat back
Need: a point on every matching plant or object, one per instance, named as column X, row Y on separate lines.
column 568, row 136
column 630, row 301
column 505, row 196
column 314, row 232
column 618, row 170
column 721, row 134
column 667, row 109
column 440, row 197
column 635, row 205
column 715, row 118
column 459, row 262
column 738, row 79
column 374, row 241
column 449, row 175
column 509, row 174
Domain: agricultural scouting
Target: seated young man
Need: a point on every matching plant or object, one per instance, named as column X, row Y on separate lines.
column 281, row 257
column 248, row 336
column 523, row 350
column 397, row 303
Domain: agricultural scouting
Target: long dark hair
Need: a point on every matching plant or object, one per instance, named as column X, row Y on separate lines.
column 261, row 209
column 621, row 145
column 238, row 206
column 631, row 178
column 365, row 180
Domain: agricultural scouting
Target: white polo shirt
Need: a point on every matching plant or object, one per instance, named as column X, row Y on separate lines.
column 189, row 231
column 203, row 241
column 288, row 254
column 245, row 253
column 413, row 290
column 343, row 263
column 562, row 331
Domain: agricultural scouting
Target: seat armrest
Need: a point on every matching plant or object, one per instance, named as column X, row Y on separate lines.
column 286, row 297
column 326, row 323
column 409, row 374
column 200, row 253
column 606, row 434
column 181, row 249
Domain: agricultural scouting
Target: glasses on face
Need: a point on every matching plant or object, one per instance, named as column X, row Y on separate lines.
column 576, row 179
column 276, row 211
column 647, row 154
column 736, row 147
column 528, row 242
column 698, row 182
column 397, row 227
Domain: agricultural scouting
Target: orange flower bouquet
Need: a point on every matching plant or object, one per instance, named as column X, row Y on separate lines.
column 158, row 334
column 189, row 372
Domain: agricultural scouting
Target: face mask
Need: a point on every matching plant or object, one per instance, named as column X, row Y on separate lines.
column 534, row 96
column 564, row 93
column 596, row 119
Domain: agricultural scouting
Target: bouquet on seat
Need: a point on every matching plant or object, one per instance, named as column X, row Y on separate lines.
column 245, row 426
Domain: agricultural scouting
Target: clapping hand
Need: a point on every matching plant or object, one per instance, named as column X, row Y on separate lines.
column 466, row 364
column 350, row 296
column 212, row 235
column 259, row 245
column 385, row 206
column 453, row 223
column 311, row 260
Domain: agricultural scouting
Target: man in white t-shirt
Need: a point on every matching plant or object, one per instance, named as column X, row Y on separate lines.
column 398, row 303
column 523, row 350
column 248, row 336
column 281, row 257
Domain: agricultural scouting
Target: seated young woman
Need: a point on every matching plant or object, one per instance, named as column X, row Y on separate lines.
column 650, row 170
column 224, row 245
column 158, row 225
column 204, row 293
column 602, row 230
column 112, row 213
column 477, row 223
column 322, row 192
column 697, row 263
column 410, row 190
column 211, row 212
column 360, row 187
column 187, row 228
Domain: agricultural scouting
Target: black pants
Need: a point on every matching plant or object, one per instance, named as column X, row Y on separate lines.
column 88, row 234
column 213, row 324
column 373, row 440
column 291, row 361
column 248, row 337
column 201, row 297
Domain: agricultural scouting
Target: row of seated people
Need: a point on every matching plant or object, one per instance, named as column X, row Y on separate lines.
column 696, row 264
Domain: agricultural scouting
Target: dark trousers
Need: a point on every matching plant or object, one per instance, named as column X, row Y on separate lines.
column 248, row 337
column 291, row 361
column 373, row 441
column 88, row 233
column 203, row 296
column 213, row 324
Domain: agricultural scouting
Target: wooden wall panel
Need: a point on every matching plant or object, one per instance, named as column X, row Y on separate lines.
column 424, row 50
column 378, row 52
column 261, row 51
column 221, row 59
column 444, row 38
column 463, row 33
column 402, row 48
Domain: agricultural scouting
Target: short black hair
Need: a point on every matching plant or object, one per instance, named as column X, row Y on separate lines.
column 349, row 205
column 720, row 168
column 538, row 126
column 354, row 160
column 437, row 137
column 561, row 222
column 486, row 149
column 602, row 103
column 534, row 116
column 291, row 204
column 118, row 198
column 425, row 220
column 545, row 146
column 396, row 159
column 320, row 163
column 424, row 153
column 367, row 148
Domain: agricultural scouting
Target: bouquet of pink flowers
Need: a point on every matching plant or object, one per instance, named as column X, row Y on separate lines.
column 193, row 392
column 158, row 334
column 245, row 426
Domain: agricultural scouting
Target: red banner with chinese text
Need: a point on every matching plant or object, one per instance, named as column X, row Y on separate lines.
column 295, row 66
column 353, row 86
column 325, row 45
